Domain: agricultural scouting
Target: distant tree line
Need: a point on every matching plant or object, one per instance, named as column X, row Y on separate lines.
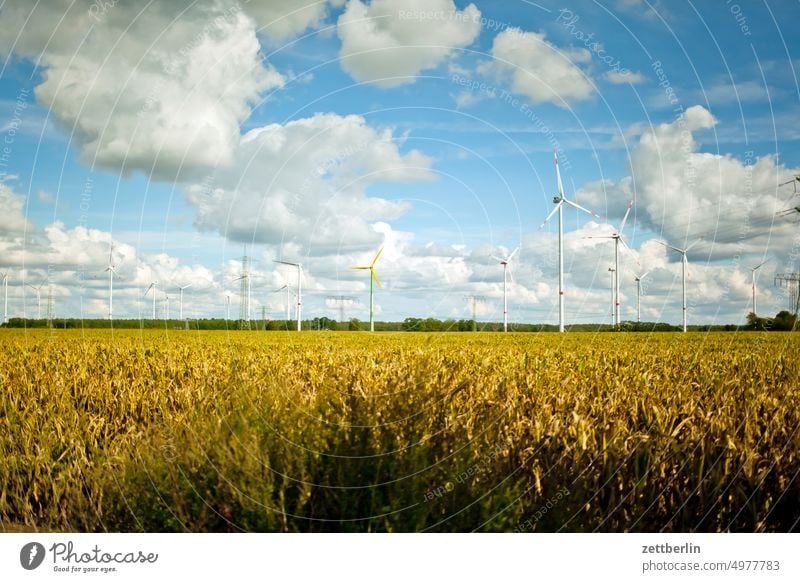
column 783, row 321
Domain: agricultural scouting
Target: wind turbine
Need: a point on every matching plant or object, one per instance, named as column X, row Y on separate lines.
column 753, row 277
column 166, row 306
column 685, row 264
column 5, row 297
column 638, row 280
column 505, row 263
column 227, row 308
column 112, row 271
column 38, row 299
column 181, row 289
column 373, row 277
column 617, row 238
column 559, row 201
column 153, row 286
column 299, row 290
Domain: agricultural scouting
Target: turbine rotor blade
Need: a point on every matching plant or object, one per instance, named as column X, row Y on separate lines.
column 375, row 260
column 661, row 242
column 552, row 212
column 762, row 264
column 693, row 244
column 375, row 276
column 625, row 220
column 511, row 256
column 579, row 207
column 558, row 175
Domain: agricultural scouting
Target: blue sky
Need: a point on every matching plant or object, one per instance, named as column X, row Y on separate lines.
column 322, row 132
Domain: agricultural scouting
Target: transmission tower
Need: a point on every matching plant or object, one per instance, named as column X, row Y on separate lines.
column 792, row 282
column 341, row 302
column 244, row 293
column 474, row 299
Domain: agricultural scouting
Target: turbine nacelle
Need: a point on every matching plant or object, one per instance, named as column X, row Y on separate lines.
column 507, row 260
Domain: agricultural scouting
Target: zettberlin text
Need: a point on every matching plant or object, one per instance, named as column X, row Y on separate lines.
column 671, row 549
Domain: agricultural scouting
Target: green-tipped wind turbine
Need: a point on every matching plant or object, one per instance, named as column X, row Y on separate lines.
column 372, row 278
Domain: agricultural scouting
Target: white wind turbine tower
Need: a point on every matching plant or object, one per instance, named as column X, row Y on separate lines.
column 685, row 264
column 505, row 263
column 38, row 299
column 559, row 201
column 373, row 278
column 181, row 289
column 112, row 272
column 753, row 278
column 638, row 279
column 613, row 272
column 166, row 306
column 5, row 297
column 299, row 294
column 153, row 286
column 617, row 238
column 227, row 308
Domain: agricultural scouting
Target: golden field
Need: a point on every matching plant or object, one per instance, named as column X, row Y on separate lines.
column 217, row 431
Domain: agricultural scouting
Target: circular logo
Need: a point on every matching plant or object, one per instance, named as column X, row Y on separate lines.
column 31, row 555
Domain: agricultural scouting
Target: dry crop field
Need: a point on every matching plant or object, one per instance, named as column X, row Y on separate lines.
column 216, row 431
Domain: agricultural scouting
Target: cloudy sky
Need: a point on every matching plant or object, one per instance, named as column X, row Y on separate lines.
column 188, row 130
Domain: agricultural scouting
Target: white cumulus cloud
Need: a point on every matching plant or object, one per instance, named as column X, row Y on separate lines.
column 13, row 222
column 538, row 69
column 284, row 19
column 161, row 88
column 391, row 41
column 307, row 180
